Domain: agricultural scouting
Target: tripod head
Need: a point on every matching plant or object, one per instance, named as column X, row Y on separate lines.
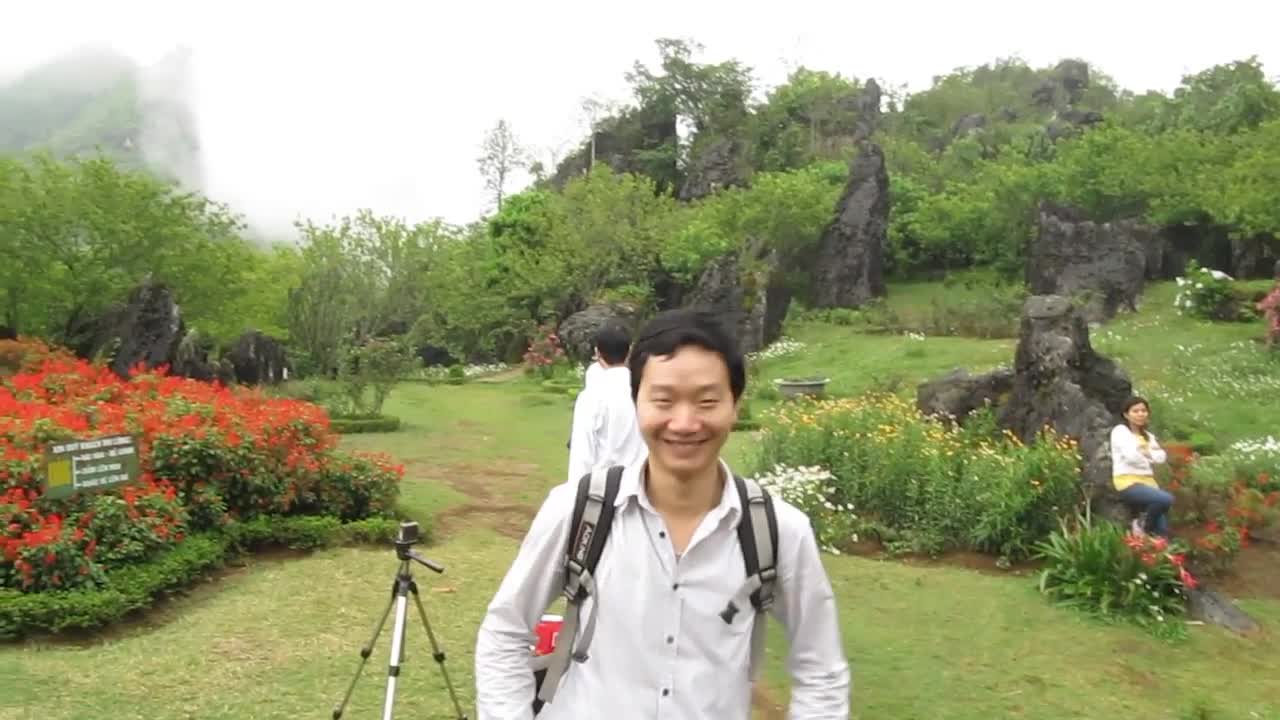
column 408, row 536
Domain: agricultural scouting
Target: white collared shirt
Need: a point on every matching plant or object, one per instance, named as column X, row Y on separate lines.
column 605, row 431
column 592, row 373
column 660, row 649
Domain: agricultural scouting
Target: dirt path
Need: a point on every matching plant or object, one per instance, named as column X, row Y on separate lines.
column 488, row 488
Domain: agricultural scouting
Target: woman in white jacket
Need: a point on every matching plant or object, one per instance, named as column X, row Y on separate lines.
column 1134, row 451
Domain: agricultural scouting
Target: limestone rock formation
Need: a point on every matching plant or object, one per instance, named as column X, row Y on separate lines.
column 747, row 300
column 721, row 164
column 958, row 393
column 148, row 329
column 258, row 359
column 1105, row 264
column 578, row 331
column 849, row 269
column 1060, row 381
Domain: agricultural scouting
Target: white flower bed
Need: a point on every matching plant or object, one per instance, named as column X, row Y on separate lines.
column 780, row 348
column 482, row 370
column 810, row 489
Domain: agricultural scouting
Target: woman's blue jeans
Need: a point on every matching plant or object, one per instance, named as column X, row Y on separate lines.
column 1154, row 502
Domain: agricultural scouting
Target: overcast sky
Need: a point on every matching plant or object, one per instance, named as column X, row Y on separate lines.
column 314, row 109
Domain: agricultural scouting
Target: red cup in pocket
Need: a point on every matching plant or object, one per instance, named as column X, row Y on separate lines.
column 547, row 630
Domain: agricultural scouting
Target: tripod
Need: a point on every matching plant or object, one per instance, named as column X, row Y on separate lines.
column 400, row 589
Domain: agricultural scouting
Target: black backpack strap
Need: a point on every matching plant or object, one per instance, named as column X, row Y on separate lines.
column 758, row 538
column 590, row 524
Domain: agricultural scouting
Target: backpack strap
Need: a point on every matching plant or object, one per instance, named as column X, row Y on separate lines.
column 758, row 538
column 589, row 530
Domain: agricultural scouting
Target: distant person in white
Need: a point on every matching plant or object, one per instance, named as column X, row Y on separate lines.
column 593, row 370
column 604, row 416
column 660, row 650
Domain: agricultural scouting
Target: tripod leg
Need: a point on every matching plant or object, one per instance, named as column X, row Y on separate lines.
column 436, row 652
column 397, row 644
column 365, row 652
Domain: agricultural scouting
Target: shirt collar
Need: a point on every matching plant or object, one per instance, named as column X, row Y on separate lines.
column 631, row 486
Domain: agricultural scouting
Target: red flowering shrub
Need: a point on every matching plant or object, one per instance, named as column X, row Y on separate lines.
column 544, row 352
column 209, row 454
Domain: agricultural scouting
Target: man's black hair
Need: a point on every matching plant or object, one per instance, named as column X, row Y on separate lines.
column 613, row 343
column 671, row 330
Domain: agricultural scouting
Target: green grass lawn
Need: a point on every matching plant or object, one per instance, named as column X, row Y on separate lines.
column 279, row 636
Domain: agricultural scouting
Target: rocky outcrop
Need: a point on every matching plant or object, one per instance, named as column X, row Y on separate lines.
column 849, row 268
column 968, row 124
column 578, row 332
column 1060, row 381
column 1102, row 265
column 864, row 107
column 258, row 359
column 719, row 165
column 1065, row 85
column 632, row 142
column 1057, row 380
column 747, row 299
column 148, row 329
column 956, row 394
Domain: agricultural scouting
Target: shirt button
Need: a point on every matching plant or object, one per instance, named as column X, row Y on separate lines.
column 670, row 639
column 666, row 692
column 662, row 533
column 675, row 586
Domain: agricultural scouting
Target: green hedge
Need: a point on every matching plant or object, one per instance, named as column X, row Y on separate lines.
column 136, row 587
column 355, row 425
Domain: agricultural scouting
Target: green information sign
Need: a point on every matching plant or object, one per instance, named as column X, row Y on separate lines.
column 96, row 464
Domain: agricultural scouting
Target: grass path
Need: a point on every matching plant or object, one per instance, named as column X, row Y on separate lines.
column 280, row 636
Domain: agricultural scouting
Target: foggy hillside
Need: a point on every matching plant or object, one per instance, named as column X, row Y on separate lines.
column 94, row 100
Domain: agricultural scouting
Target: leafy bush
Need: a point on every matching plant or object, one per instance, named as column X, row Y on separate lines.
column 1101, row 569
column 378, row 365
column 1206, row 294
column 209, row 455
column 938, row 487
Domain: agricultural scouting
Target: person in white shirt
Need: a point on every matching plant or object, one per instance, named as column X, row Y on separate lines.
column 1134, row 451
column 588, row 377
column 604, row 417
column 659, row 648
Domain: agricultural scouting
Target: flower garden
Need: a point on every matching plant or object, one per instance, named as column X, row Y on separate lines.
column 874, row 469
column 221, row 469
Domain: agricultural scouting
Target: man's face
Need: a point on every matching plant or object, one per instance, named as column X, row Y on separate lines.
column 685, row 409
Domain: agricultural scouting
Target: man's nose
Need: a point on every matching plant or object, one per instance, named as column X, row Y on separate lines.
column 684, row 418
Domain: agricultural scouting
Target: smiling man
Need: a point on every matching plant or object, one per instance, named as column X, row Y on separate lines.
column 662, row 643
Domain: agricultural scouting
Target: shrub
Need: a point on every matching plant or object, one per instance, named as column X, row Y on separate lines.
column 353, row 426
column 938, row 486
column 209, row 455
column 1099, row 569
column 544, row 353
column 1207, row 294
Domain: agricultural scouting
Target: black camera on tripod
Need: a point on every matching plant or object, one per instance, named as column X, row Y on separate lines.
column 409, row 534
